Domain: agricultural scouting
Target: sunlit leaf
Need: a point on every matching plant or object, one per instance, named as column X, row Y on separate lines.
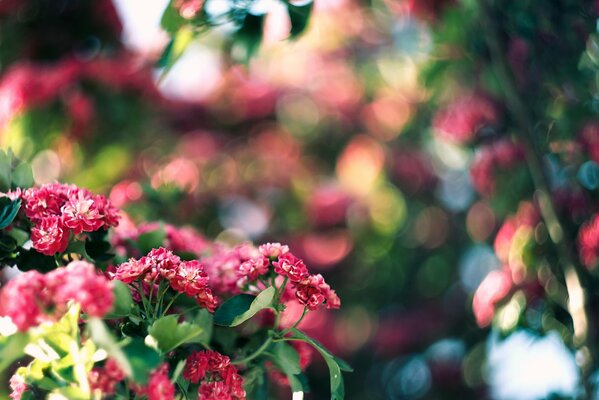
column 242, row 307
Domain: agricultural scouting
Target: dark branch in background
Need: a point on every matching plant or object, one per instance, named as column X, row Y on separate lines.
column 571, row 272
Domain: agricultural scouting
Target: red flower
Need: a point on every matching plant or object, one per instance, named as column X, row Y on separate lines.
column 189, row 278
column 105, row 379
column 50, row 236
column 309, row 292
column 461, row 119
column 131, row 270
column 24, row 300
column 494, row 288
column 159, row 386
column 588, row 242
column 251, row 269
column 166, row 263
column 79, row 282
column 292, row 267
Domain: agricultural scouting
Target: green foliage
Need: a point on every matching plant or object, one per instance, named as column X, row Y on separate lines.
column 134, row 357
column 13, row 172
column 151, row 240
column 242, row 307
column 169, row 333
column 300, row 17
column 336, row 365
column 123, row 302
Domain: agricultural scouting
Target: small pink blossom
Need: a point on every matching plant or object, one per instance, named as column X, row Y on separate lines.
column 50, row 236
column 292, row 267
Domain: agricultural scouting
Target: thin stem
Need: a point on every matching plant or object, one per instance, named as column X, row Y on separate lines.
column 571, row 272
column 284, row 332
column 143, row 299
column 168, row 306
column 256, row 353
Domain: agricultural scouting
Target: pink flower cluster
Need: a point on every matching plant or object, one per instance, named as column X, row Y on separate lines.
column 159, row 386
column 32, row 298
column 240, row 268
column 588, row 242
column 28, row 85
column 494, row 288
column 188, row 277
column 57, row 210
column 104, row 379
column 218, row 378
column 17, row 387
column 178, row 239
column 526, row 216
column 462, row 119
column 489, row 160
column 310, row 290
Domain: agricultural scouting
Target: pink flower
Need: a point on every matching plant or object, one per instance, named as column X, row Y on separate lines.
column 251, row 269
column 159, row 386
column 588, row 242
column 189, row 9
column 201, row 362
column 131, row 270
column 166, row 263
column 24, row 299
column 104, row 379
column 207, row 300
column 81, row 213
column 45, row 201
column 214, row 391
column 189, row 278
column 309, row 292
column 273, row 250
column 292, row 267
column 460, row 120
column 17, row 387
column 79, row 282
column 494, row 288
column 50, row 236
column 219, row 379
column 196, row 366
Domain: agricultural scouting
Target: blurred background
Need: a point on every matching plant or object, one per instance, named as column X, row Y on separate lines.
column 378, row 144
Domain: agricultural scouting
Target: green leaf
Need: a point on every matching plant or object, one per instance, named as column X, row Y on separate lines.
column 135, row 358
column 123, row 302
column 151, row 240
column 5, row 171
column 242, row 307
column 22, row 176
column 336, row 378
column 247, row 39
column 142, row 360
column 8, row 211
column 98, row 248
column 171, row 20
column 205, row 320
column 299, row 16
column 12, row 348
column 286, row 358
column 32, row 260
column 170, row 334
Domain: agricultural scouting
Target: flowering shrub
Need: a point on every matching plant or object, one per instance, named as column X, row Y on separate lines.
column 172, row 322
